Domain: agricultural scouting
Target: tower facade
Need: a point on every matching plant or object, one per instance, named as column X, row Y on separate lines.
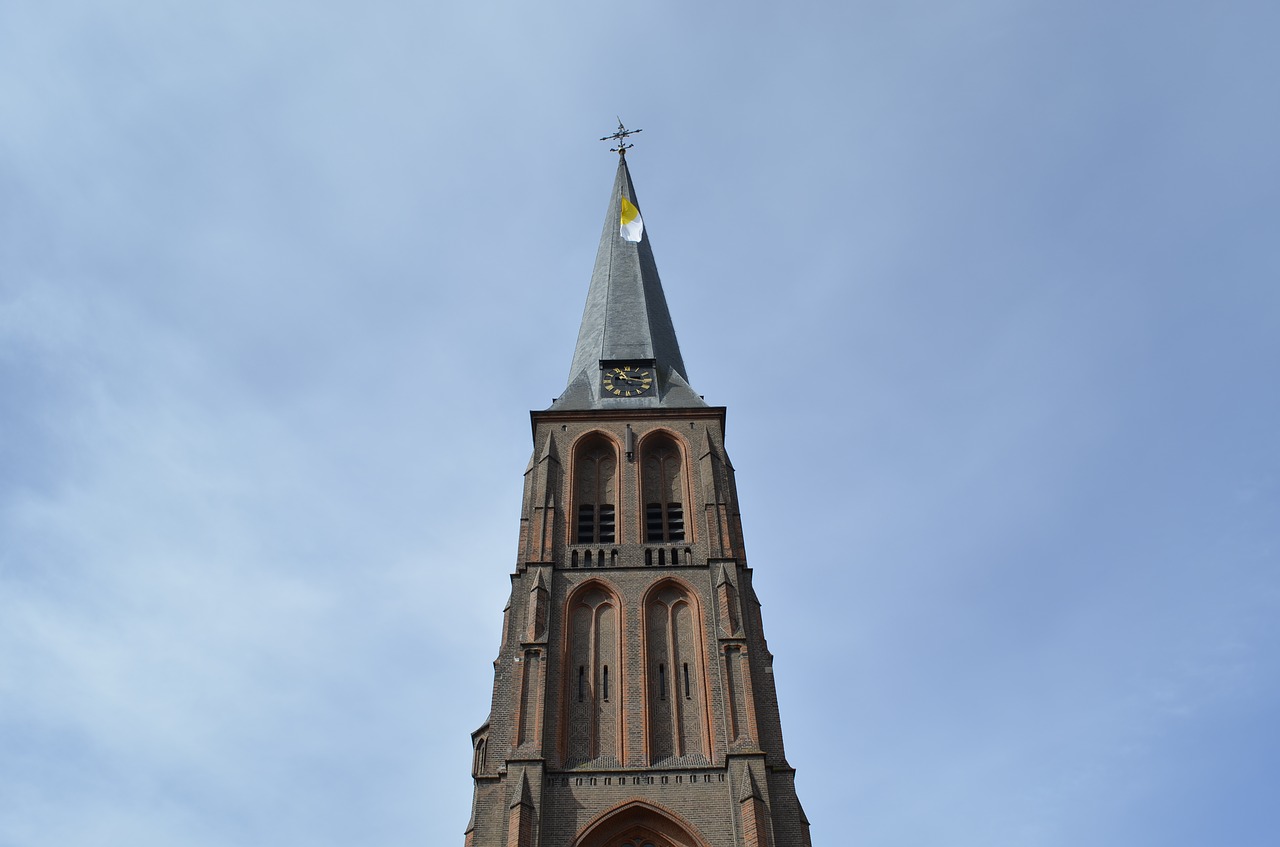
column 633, row 696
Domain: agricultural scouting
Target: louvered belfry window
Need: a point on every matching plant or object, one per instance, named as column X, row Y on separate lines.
column 593, row 491
column 663, row 490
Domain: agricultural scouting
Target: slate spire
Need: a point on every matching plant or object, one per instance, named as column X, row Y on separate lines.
column 626, row 319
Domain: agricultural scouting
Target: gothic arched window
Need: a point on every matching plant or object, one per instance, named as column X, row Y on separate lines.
column 663, row 487
column 594, row 482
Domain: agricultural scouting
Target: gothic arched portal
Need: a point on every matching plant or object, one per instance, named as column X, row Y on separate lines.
column 641, row 837
column 638, row 824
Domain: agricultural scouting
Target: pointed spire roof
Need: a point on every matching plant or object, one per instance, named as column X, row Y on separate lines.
column 626, row 319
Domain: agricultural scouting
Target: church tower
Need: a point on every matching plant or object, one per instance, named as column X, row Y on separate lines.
column 633, row 696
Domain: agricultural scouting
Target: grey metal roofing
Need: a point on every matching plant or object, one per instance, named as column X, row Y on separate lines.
column 626, row 319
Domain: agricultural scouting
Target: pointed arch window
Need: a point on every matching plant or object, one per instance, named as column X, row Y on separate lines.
column 663, row 486
column 594, row 484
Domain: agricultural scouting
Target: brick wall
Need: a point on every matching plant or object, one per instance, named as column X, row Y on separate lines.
column 655, row 754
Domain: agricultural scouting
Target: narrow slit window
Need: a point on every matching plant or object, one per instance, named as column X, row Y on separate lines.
column 605, row 683
column 686, row 680
column 662, row 682
column 582, row 682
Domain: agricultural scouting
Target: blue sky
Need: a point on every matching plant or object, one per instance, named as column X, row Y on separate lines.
column 1004, row 273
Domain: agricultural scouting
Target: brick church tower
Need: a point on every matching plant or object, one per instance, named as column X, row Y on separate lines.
column 633, row 696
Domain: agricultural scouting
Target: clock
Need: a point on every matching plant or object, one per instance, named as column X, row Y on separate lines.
column 627, row 380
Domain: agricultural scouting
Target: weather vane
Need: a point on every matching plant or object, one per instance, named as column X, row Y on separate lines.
column 621, row 137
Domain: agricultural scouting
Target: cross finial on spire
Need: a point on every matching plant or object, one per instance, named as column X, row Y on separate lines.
column 621, row 137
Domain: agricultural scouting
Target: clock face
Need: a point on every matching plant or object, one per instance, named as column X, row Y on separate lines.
column 628, row 381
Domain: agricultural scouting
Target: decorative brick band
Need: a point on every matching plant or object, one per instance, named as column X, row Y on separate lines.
column 630, row 779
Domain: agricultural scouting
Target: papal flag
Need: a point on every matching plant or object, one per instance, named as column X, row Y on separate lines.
column 632, row 225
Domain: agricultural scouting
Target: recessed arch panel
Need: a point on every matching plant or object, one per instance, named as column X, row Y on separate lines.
column 592, row 676
column 675, row 674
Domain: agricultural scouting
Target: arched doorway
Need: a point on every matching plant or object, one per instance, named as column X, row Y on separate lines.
column 639, row 824
column 639, row 839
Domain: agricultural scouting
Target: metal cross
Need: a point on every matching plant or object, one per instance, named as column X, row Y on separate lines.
column 621, row 138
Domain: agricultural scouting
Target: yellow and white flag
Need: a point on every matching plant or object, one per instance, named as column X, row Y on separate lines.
column 632, row 225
